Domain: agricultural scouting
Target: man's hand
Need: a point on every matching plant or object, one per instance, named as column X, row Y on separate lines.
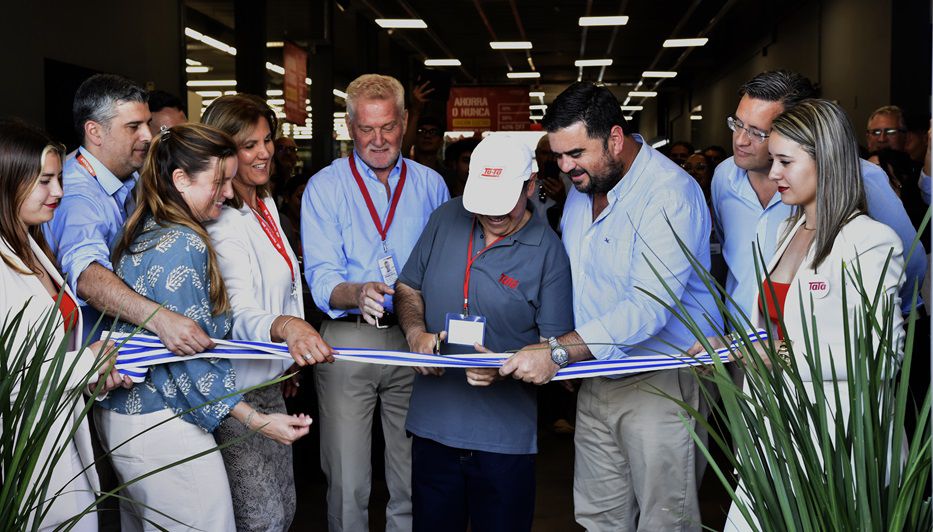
column 419, row 94
column 305, row 344
column 427, row 343
column 532, row 364
column 482, row 376
column 554, row 188
column 179, row 334
column 370, row 299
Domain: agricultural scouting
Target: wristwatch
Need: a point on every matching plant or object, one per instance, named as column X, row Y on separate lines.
column 558, row 353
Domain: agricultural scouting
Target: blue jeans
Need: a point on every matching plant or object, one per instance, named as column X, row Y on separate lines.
column 452, row 487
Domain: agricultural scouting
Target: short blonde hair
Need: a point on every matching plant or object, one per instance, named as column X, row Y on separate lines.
column 891, row 110
column 374, row 87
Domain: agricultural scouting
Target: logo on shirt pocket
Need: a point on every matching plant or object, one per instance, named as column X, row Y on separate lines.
column 508, row 281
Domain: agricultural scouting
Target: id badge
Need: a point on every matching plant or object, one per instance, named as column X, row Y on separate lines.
column 387, row 268
column 465, row 330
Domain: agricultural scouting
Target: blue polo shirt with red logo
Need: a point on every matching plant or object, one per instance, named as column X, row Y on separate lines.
column 522, row 286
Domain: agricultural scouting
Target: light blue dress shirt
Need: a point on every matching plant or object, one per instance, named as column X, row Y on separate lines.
column 87, row 222
column 611, row 260
column 338, row 237
column 741, row 222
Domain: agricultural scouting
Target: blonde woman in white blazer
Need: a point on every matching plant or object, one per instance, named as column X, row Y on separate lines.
column 30, row 188
column 263, row 281
column 827, row 239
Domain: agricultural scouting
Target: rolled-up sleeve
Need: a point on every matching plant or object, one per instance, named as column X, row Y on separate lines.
column 78, row 235
column 322, row 243
column 657, row 263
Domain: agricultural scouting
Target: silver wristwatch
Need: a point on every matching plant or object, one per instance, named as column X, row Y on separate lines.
column 558, row 353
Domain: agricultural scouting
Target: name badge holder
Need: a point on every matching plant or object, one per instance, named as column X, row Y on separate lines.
column 463, row 329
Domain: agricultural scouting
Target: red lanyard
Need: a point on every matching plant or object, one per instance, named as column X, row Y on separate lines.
column 469, row 264
column 383, row 231
column 268, row 226
column 87, row 166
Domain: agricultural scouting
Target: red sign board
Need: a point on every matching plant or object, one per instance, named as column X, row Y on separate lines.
column 488, row 109
column 296, row 90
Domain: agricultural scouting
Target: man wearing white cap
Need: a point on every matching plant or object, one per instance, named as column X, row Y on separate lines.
column 484, row 274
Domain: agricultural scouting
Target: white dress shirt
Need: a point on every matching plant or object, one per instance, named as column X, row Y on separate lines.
column 258, row 281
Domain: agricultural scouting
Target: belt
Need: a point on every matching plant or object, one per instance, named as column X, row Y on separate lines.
column 387, row 320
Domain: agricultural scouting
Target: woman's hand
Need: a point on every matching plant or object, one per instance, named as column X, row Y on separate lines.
column 305, row 344
column 482, row 376
column 291, row 385
column 282, row 428
column 108, row 378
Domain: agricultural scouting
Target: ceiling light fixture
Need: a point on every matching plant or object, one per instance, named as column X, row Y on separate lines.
column 401, row 23
column 510, row 45
column 275, row 44
column 340, row 94
column 696, row 117
column 192, row 62
column 212, row 83
column 278, row 69
column 536, row 94
column 592, row 62
column 274, row 92
column 620, row 20
column 632, row 107
column 658, row 144
column 197, row 69
column 642, row 94
column 523, row 75
column 441, row 62
column 658, row 74
column 684, row 43
column 538, row 107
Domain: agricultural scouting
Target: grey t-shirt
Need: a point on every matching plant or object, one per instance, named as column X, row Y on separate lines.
column 522, row 286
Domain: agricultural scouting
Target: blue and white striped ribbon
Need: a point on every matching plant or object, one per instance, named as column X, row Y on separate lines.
column 141, row 351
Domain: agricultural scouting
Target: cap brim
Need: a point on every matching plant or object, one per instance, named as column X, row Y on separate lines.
column 491, row 197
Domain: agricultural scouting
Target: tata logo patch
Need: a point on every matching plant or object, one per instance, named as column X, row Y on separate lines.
column 508, row 281
column 491, row 172
column 818, row 287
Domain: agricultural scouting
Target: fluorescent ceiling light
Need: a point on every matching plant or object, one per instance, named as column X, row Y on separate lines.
column 197, row 69
column 536, row 117
column 340, row 114
column 627, row 117
column 278, row 69
column 642, row 94
column 658, row 74
column 510, row 45
column 276, row 101
column 632, row 107
column 401, row 23
column 682, row 43
column 275, row 44
column 658, row 144
column 536, row 94
column 210, row 41
column 192, row 62
column 274, row 92
column 229, row 93
column 696, row 117
column 538, row 107
column 697, row 109
column 592, row 62
column 523, row 75
column 339, row 93
column 604, row 21
column 209, row 94
column 441, row 62
column 212, row 83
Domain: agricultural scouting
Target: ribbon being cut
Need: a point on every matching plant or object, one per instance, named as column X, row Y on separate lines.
column 138, row 352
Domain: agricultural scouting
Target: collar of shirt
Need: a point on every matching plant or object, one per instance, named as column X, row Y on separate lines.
column 742, row 188
column 109, row 182
column 631, row 180
column 367, row 172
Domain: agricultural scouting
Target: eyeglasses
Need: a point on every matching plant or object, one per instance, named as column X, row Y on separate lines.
column 753, row 132
column 888, row 131
column 429, row 131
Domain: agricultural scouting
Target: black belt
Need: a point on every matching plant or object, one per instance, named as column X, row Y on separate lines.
column 387, row 320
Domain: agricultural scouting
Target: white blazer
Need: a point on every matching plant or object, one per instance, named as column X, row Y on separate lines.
column 16, row 289
column 862, row 243
column 258, row 281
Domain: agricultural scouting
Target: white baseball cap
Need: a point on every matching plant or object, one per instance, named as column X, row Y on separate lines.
column 499, row 166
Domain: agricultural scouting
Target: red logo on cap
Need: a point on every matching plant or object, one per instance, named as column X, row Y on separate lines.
column 491, row 172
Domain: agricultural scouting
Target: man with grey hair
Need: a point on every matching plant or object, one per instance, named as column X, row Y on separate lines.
column 360, row 219
column 111, row 117
column 886, row 129
column 747, row 207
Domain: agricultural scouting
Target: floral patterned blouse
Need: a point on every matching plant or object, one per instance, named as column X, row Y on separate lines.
column 169, row 265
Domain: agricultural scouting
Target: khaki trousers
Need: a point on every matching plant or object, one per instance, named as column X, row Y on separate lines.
column 634, row 466
column 347, row 393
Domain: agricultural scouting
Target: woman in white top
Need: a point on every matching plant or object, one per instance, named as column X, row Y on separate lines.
column 30, row 189
column 263, row 281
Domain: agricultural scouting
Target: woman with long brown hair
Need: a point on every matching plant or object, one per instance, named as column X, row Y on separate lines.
column 166, row 255
column 30, row 189
column 263, row 280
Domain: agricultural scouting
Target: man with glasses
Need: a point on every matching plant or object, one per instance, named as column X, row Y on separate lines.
column 360, row 219
column 747, row 207
column 886, row 129
column 428, row 141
